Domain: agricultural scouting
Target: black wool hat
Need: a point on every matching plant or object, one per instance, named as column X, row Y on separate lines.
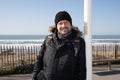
column 62, row 15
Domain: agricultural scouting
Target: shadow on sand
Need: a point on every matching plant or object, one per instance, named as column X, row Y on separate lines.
column 108, row 73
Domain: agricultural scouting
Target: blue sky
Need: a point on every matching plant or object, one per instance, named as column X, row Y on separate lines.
column 36, row 16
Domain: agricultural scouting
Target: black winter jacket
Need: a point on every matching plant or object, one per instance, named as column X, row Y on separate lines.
column 57, row 61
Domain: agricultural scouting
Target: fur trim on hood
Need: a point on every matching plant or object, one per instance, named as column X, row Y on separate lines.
column 52, row 29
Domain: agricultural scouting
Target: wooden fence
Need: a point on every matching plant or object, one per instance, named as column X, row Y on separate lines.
column 17, row 59
column 21, row 59
column 105, row 51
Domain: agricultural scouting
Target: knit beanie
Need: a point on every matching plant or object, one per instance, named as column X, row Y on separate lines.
column 62, row 15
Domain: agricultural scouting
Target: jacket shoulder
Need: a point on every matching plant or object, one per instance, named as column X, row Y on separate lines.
column 48, row 39
column 82, row 41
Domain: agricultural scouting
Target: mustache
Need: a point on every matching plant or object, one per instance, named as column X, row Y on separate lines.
column 64, row 28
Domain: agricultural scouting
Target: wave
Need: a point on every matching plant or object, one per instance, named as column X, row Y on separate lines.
column 40, row 41
column 26, row 43
column 105, row 40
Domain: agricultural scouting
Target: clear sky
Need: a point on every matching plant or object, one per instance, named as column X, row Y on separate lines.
column 36, row 16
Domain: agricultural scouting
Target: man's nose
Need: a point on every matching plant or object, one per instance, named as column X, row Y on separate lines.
column 63, row 25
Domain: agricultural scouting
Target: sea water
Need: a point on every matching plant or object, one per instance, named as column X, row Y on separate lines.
column 38, row 39
column 21, row 40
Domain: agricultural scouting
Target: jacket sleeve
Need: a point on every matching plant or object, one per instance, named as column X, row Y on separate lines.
column 81, row 62
column 39, row 63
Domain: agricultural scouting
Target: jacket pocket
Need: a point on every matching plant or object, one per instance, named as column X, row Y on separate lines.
column 40, row 75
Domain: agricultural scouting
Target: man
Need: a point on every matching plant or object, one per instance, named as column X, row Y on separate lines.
column 62, row 54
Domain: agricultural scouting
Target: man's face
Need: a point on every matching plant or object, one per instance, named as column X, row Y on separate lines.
column 63, row 27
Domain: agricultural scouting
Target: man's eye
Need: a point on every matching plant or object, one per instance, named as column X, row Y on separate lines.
column 60, row 23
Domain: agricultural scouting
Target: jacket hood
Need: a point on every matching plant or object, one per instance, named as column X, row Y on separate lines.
column 52, row 29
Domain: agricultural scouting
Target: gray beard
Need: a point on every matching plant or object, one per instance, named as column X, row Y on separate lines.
column 60, row 36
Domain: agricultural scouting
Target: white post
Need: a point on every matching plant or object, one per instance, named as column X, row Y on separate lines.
column 88, row 36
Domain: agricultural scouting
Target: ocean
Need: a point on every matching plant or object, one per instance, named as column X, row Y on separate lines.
column 21, row 40
column 105, row 36
column 28, row 37
column 106, row 39
column 38, row 39
column 21, row 37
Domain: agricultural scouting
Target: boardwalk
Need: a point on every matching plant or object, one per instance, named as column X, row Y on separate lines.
column 99, row 73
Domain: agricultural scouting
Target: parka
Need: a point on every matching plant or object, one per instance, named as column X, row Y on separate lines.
column 57, row 59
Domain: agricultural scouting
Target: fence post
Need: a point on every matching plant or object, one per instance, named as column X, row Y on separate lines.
column 116, row 51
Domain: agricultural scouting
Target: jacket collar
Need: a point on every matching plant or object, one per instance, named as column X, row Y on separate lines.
column 74, row 30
